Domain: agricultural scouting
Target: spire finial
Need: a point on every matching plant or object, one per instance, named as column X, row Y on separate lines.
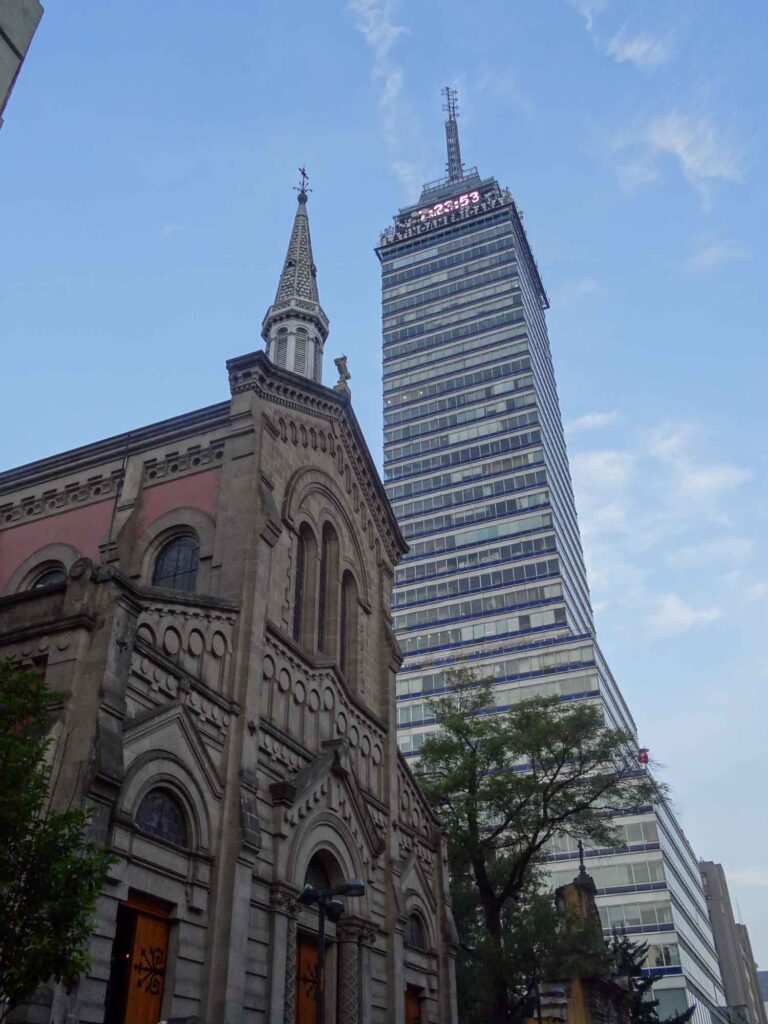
column 582, row 865
column 451, row 105
column 301, row 188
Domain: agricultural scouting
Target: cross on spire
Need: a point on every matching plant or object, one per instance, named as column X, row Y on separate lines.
column 301, row 188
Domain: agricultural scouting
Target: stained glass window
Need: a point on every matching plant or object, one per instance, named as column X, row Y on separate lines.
column 176, row 564
column 160, row 815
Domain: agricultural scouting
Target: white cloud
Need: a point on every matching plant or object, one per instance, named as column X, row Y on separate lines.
column 701, row 149
column 705, row 553
column 374, row 19
column 756, row 591
column 716, row 254
column 592, row 421
column 672, row 443
column 499, row 83
column 589, row 9
column 636, row 174
column 598, row 470
column 756, row 877
column 671, row 616
column 572, row 291
column 644, row 50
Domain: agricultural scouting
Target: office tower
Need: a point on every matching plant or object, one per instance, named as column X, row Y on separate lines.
column 476, row 466
column 734, row 950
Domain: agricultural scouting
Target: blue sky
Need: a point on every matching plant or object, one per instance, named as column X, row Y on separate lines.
column 146, row 167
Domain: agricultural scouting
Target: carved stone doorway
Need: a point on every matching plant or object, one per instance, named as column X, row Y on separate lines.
column 139, row 957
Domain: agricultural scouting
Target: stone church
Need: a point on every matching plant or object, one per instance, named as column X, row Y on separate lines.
column 210, row 595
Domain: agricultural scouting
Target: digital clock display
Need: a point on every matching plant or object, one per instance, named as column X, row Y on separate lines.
column 448, row 206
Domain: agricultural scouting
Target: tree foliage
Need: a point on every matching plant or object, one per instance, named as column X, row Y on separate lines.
column 629, row 960
column 50, row 875
column 503, row 785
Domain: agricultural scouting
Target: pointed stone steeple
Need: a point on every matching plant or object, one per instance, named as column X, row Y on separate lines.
column 295, row 326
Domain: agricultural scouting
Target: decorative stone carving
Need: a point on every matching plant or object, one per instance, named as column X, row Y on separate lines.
column 193, row 460
column 51, row 502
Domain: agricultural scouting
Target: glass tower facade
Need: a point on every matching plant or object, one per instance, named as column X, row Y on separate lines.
column 476, row 467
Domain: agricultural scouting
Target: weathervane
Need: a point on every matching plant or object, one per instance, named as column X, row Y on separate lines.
column 303, row 181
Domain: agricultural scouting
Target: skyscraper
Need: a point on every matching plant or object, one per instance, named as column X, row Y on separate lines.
column 476, row 466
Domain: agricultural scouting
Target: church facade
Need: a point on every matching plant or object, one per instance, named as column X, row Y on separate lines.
column 210, row 595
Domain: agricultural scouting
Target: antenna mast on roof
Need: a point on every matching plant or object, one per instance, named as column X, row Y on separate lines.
column 455, row 167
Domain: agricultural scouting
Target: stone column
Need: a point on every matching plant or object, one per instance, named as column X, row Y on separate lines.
column 282, row 988
column 349, row 932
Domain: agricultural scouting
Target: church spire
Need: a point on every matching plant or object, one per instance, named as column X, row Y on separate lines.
column 454, row 167
column 295, row 326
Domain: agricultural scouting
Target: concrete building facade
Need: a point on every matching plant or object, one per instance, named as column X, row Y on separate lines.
column 734, row 950
column 211, row 597
column 18, row 23
column 475, row 464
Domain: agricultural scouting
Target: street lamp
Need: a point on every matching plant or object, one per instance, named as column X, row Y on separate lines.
column 333, row 909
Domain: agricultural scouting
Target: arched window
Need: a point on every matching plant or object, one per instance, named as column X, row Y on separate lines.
column 328, row 610
column 51, row 576
column 304, row 587
column 161, row 815
column 281, row 347
column 177, row 562
column 414, row 934
column 300, row 357
column 348, row 654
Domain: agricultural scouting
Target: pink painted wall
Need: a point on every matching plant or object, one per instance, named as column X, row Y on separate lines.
column 84, row 528
column 199, row 491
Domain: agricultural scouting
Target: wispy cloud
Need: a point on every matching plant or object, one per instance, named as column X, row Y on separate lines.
column 581, row 288
column 672, row 443
column 644, row 50
column 704, row 153
column 710, row 256
column 375, row 20
column 592, row 421
column 751, row 876
column 589, row 10
column 671, row 616
column 661, row 502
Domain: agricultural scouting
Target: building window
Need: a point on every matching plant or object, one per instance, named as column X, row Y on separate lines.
column 348, row 626
column 304, row 587
column 176, row 564
column 414, row 934
column 281, row 347
column 328, row 610
column 300, row 352
column 160, row 815
column 50, row 577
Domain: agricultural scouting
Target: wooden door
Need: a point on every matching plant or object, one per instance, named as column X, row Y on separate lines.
column 412, row 1006
column 306, row 981
column 147, row 971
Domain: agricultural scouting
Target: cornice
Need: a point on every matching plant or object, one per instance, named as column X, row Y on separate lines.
column 115, row 448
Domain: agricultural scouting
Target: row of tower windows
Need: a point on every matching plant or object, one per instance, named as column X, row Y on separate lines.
column 325, row 601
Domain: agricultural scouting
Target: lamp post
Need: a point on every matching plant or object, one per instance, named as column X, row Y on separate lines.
column 327, row 907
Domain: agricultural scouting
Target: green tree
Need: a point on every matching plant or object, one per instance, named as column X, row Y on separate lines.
column 629, row 959
column 50, row 875
column 503, row 785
